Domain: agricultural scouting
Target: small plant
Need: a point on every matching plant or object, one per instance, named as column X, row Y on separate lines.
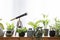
column 10, row 29
column 10, row 26
column 45, row 21
column 57, row 24
column 1, row 25
column 19, row 30
column 57, row 27
column 34, row 25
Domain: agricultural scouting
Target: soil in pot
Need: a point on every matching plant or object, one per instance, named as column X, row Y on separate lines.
column 22, row 34
column 52, row 33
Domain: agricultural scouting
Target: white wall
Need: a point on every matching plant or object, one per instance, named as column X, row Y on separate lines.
column 6, row 9
column 35, row 8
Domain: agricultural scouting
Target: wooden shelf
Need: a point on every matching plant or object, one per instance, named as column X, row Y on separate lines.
column 29, row 38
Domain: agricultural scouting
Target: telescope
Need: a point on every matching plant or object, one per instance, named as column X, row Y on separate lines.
column 19, row 16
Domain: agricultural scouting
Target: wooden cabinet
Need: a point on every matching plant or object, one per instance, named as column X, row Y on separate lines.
column 29, row 38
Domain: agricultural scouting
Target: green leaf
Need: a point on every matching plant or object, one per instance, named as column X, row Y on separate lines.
column 1, row 25
column 31, row 23
column 19, row 30
column 34, row 25
column 57, row 24
column 10, row 26
column 37, row 22
column 44, row 16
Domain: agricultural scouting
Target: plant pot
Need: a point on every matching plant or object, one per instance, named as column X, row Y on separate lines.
column 22, row 34
column 30, row 33
column 38, row 32
column 52, row 33
column 1, row 33
column 9, row 33
column 45, row 32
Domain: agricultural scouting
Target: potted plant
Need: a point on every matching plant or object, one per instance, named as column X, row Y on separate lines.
column 39, row 32
column 35, row 26
column 52, row 31
column 10, row 29
column 1, row 29
column 21, row 31
column 45, row 22
column 57, row 27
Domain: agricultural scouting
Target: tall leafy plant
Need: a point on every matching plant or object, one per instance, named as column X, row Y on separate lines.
column 34, row 25
column 57, row 24
column 1, row 25
column 45, row 20
column 57, row 27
